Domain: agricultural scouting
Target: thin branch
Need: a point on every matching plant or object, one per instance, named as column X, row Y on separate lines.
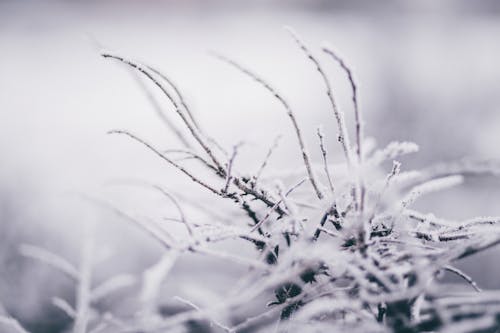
column 111, row 285
column 160, row 235
column 159, row 111
column 440, row 238
column 431, row 186
column 290, row 113
column 182, row 100
column 194, row 132
column 339, row 115
column 290, row 207
column 391, row 151
column 332, row 210
column 475, row 248
column 325, row 160
column 50, row 259
column 64, row 307
column 357, row 114
column 463, row 276
column 478, row 221
column 358, row 124
column 266, row 159
column 165, row 158
column 269, row 212
column 428, row 218
column 178, row 93
column 229, row 169
column 257, row 194
column 192, row 155
column 194, row 306
column 329, row 232
column 248, row 322
column 396, row 169
column 172, row 198
column 206, row 209
column 236, row 181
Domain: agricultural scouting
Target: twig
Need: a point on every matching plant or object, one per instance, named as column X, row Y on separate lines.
column 168, row 160
column 229, row 176
column 257, row 194
column 325, row 161
column 463, row 276
column 290, row 208
column 194, row 132
column 164, row 238
column 178, row 93
column 391, row 151
column 358, row 122
column 290, row 113
column 269, row 212
column 182, row 101
column 194, row 306
column 266, row 159
column 172, row 198
column 357, row 114
column 255, row 319
column 192, row 155
column 236, row 181
column 339, row 115
column 64, row 306
column 475, row 248
column 440, row 238
column 50, row 259
column 478, row 221
column 159, row 111
column 434, row 185
column 396, row 168
column 329, row 232
column 332, row 210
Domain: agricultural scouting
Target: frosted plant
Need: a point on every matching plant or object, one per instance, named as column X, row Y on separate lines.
column 337, row 247
column 336, row 250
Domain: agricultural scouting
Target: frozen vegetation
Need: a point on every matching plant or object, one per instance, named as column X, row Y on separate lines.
column 334, row 247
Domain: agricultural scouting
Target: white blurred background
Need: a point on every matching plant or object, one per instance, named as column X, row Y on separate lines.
column 427, row 71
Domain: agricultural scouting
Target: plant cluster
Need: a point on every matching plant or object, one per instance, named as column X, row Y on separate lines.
column 337, row 247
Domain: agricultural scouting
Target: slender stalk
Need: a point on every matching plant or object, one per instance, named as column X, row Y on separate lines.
column 357, row 118
column 168, row 160
column 159, row 111
column 325, row 160
column 291, row 115
column 339, row 115
column 194, row 132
